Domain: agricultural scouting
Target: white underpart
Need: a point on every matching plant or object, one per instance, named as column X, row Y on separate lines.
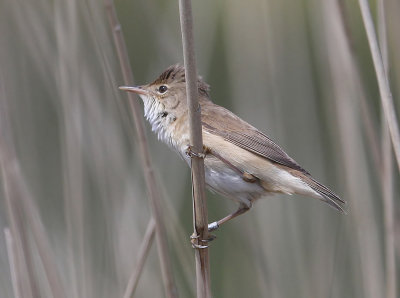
column 153, row 110
column 230, row 184
column 287, row 183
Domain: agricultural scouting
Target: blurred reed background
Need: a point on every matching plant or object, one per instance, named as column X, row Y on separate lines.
column 300, row 71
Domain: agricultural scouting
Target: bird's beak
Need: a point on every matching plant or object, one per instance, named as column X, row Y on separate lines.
column 137, row 90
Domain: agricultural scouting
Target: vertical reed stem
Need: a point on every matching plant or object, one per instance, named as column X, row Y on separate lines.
column 198, row 179
column 151, row 184
column 383, row 83
column 387, row 172
column 24, row 219
column 143, row 252
column 15, row 277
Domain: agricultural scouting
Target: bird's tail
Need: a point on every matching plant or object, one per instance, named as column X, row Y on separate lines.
column 326, row 194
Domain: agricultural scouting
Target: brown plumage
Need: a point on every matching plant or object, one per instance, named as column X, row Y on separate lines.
column 240, row 133
column 176, row 73
column 241, row 162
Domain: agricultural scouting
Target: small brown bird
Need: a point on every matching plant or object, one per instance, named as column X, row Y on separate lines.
column 241, row 163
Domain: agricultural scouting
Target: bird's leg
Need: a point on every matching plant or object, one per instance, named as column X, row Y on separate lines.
column 189, row 152
column 242, row 209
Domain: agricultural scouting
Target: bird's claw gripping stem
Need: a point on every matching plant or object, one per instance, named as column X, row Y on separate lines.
column 194, row 237
column 191, row 153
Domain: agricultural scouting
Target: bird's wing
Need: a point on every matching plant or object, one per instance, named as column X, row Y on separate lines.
column 222, row 122
column 238, row 132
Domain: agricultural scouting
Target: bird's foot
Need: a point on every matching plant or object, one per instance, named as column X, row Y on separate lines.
column 210, row 238
column 195, row 238
column 190, row 153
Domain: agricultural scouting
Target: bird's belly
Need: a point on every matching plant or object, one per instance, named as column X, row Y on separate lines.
column 227, row 182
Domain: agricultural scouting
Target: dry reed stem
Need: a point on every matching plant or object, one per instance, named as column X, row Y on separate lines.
column 12, row 262
column 383, row 83
column 67, row 31
column 151, row 185
column 388, row 211
column 200, row 218
column 383, row 163
column 42, row 244
column 24, row 210
column 24, row 220
column 25, row 283
column 387, row 173
column 142, row 255
column 344, row 76
column 367, row 119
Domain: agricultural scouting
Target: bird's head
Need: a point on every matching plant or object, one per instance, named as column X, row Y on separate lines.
column 167, row 94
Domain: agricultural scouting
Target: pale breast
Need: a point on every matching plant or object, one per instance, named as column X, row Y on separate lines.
column 224, row 180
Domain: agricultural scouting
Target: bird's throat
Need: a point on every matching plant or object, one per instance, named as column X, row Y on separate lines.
column 166, row 124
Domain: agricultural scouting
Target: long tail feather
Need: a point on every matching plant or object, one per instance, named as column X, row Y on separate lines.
column 327, row 195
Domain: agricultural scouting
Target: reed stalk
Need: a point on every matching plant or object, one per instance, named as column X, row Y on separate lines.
column 151, row 183
column 12, row 261
column 24, row 220
column 383, row 82
column 387, row 172
column 200, row 217
column 345, row 86
column 142, row 255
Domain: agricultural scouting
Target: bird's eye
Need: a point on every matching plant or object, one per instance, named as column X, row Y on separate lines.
column 162, row 89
